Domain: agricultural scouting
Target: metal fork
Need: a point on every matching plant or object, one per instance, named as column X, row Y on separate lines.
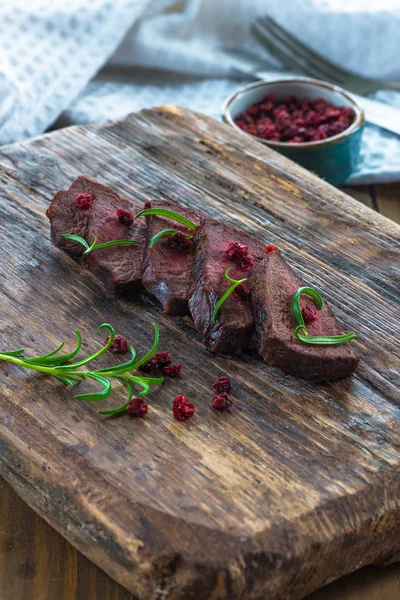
column 298, row 57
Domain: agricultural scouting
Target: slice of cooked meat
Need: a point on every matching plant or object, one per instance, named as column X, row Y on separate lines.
column 272, row 284
column 167, row 271
column 68, row 216
column 111, row 218
column 233, row 327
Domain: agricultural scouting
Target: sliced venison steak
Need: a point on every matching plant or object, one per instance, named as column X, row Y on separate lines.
column 111, row 218
column 233, row 327
column 66, row 216
column 167, row 270
column 273, row 283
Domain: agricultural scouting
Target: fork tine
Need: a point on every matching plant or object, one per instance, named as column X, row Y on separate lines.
column 297, row 46
column 320, row 62
column 270, row 30
column 288, row 60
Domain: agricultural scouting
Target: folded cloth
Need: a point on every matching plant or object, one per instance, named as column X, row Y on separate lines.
column 164, row 51
column 49, row 51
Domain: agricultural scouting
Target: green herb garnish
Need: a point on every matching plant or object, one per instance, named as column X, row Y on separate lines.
column 70, row 373
column 323, row 340
column 166, row 233
column 170, row 214
column 235, row 283
column 94, row 246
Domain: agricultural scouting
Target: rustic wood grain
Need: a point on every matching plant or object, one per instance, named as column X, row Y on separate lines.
column 26, row 541
column 362, row 194
column 300, row 484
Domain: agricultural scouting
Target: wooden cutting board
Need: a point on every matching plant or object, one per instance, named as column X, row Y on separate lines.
column 300, row 484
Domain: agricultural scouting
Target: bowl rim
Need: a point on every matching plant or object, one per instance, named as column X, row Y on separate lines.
column 358, row 122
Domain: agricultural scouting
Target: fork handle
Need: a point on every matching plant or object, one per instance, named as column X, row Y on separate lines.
column 390, row 85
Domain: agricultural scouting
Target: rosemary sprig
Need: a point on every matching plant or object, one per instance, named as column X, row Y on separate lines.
column 95, row 246
column 235, row 283
column 166, row 233
column 301, row 332
column 170, row 214
column 70, row 373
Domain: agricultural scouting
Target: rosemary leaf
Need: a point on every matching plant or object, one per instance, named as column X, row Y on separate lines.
column 152, row 350
column 96, row 355
column 95, row 246
column 235, row 283
column 170, row 214
column 69, row 374
column 115, row 411
column 75, row 238
column 166, row 233
column 323, row 340
column 51, row 360
column 96, row 396
column 109, row 244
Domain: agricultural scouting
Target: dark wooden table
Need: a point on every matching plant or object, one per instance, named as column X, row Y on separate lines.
column 36, row 563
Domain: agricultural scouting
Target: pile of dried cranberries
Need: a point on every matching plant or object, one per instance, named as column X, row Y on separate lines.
column 295, row 121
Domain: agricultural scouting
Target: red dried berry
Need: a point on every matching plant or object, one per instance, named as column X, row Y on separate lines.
column 162, row 359
column 179, row 241
column 239, row 254
column 182, row 408
column 83, row 201
column 236, row 249
column 171, row 370
column 271, row 248
column 148, row 366
column 119, row 345
column 222, row 401
column 310, row 314
column 320, row 135
column 137, row 408
column 222, row 384
column 125, row 217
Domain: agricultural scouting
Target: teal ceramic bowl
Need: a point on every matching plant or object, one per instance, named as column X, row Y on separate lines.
column 332, row 159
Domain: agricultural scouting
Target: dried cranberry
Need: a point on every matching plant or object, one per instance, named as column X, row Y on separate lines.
column 162, row 359
column 222, row 401
column 333, row 113
column 148, row 366
column 310, row 314
column 119, row 345
column 222, row 384
column 182, row 408
column 171, row 370
column 253, row 110
column 320, row 135
column 348, row 112
column 125, row 217
column 83, row 201
column 239, row 254
column 236, row 249
column 310, row 118
column 271, row 248
column 137, row 408
column 179, row 241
